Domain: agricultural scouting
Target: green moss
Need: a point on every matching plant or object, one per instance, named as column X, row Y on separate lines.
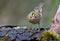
column 49, row 35
column 4, row 38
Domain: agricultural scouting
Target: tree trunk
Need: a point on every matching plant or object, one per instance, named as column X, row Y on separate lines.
column 55, row 25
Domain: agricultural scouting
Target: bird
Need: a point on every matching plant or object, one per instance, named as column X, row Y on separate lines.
column 35, row 15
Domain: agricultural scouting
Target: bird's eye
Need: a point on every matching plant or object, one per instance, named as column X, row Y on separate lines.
column 33, row 14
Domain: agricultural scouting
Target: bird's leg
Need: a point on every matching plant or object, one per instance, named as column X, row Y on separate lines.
column 38, row 27
column 29, row 28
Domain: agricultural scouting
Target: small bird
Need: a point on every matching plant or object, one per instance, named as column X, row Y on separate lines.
column 35, row 16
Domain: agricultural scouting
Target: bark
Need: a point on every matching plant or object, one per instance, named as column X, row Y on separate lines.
column 55, row 25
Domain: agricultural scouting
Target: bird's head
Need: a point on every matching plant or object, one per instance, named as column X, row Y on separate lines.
column 33, row 17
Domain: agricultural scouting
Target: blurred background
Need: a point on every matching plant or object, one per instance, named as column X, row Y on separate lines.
column 14, row 12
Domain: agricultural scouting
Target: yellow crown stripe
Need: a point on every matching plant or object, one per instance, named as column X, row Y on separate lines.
column 33, row 15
